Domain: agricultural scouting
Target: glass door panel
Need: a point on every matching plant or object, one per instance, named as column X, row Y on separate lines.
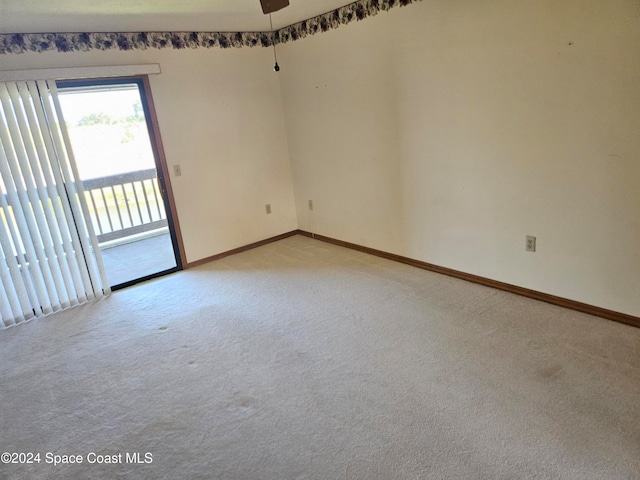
column 110, row 135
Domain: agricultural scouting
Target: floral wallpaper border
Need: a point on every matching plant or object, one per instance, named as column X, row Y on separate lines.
column 349, row 13
column 83, row 42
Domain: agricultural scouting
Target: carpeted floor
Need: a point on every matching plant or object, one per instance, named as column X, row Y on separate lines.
column 304, row 360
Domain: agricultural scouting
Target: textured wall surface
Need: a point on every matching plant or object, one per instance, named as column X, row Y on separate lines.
column 448, row 131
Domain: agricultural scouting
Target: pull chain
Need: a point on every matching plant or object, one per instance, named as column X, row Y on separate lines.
column 273, row 42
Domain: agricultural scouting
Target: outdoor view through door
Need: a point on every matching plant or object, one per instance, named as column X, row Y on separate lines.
column 113, row 146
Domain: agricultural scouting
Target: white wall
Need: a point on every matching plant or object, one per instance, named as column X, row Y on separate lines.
column 220, row 116
column 447, row 131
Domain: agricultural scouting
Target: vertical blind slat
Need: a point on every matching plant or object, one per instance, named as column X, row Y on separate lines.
column 58, row 194
column 79, row 233
column 47, row 194
column 93, row 261
column 30, row 173
column 49, row 254
column 19, row 299
column 15, row 182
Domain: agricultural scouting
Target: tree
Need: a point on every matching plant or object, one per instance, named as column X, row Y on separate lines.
column 96, row 119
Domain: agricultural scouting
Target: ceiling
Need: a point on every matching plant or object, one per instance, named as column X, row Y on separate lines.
column 40, row 16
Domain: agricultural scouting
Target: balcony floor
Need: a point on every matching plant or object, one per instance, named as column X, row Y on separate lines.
column 130, row 261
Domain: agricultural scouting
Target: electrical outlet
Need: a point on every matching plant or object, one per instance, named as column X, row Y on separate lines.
column 531, row 244
column 310, row 204
column 176, row 170
column 267, row 208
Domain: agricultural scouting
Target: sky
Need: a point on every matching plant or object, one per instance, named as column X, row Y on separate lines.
column 116, row 103
column 104, row 150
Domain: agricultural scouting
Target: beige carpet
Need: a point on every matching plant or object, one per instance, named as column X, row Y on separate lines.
column 303, row 360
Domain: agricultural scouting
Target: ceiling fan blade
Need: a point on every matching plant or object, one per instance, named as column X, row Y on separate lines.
column 269, row 6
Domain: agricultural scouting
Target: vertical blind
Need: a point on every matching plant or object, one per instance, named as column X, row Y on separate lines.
column 49, row 254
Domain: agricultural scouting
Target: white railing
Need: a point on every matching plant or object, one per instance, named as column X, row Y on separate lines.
column 125, row 205
column 120, row 206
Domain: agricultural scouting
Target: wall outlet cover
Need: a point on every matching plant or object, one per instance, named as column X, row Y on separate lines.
column 530, row 245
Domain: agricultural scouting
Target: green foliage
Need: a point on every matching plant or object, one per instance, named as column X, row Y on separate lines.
column 102, row 118
column 96, row 119
column 127, row 136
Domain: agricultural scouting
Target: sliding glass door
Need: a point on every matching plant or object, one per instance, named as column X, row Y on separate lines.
column 113, row 141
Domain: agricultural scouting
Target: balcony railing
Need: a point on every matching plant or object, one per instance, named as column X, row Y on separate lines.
column 125, row 205
column 119, row 206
